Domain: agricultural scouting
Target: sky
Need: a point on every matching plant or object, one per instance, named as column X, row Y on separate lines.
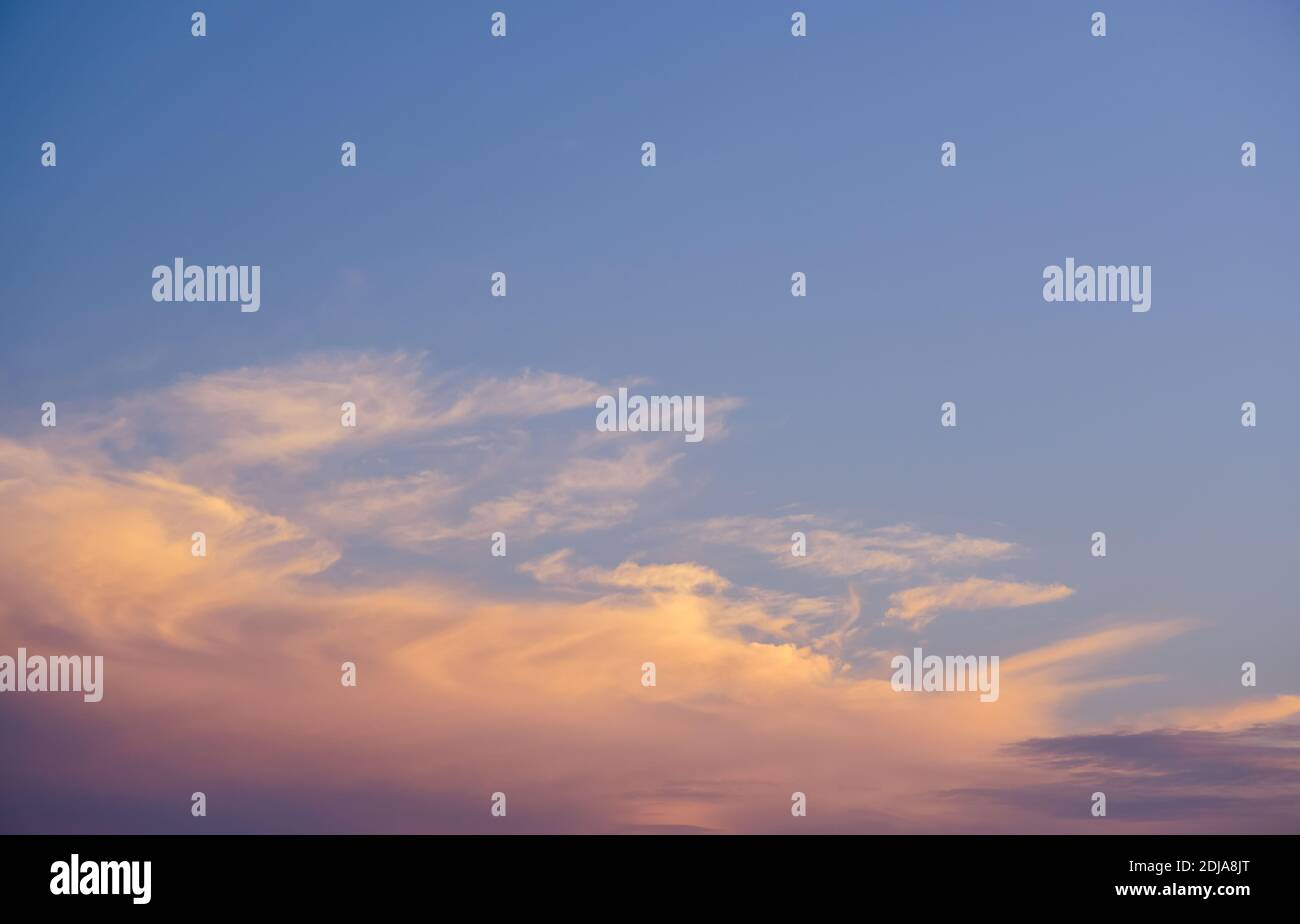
column 522, row 674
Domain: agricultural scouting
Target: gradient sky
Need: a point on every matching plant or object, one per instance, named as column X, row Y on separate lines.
column 522, row 674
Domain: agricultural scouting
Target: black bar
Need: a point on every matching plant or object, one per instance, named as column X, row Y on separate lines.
column 659, row 875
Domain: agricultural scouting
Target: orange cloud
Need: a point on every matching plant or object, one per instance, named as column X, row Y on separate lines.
column 919, row 605
column 225, row 669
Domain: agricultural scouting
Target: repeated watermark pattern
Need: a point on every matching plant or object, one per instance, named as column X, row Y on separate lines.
column 415, row 525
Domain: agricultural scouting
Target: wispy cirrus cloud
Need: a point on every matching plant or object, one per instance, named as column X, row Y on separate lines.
column 846, row 552
column 917, row 606
column 1282, row 707
column 560, row 568
column 434, row 457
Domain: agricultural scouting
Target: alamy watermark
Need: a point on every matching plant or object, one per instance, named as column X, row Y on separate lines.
column 55, row 674
column 657, row 413
column 75, row 876
column 194, row 283
column 1073, row 283
column 951, row 674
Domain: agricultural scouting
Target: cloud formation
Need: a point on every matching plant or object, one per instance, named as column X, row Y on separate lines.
column 919, row 605
column 845, row 552
column 524, row 676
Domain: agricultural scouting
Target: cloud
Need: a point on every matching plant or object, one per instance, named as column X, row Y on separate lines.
column 686, row 576
column 1059, row 656
column 521, row 490
column 919, row 605
column 541, row 698
column 103, row 555
column 434, row 457
column 531, row 394
column 1234, row 716
column 842, row 552
column 1162, row 780
column 287, row 414
column 225, row 669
